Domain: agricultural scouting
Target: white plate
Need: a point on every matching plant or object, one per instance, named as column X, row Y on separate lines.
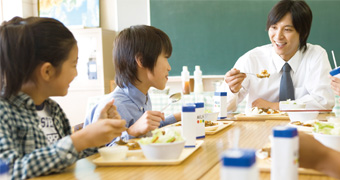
column 138, row 152
column 212, row 128
column 261, row 154
column 209, row 128
column 303, row 128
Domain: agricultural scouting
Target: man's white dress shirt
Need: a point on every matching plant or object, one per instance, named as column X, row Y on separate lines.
column 309, row 73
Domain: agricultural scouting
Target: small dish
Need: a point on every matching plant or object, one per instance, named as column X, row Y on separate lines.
column 113, row 153
column 162, row 151
column 138, row 152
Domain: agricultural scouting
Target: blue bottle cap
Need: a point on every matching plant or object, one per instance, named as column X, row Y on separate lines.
column 3, row 167
column 220, row 93
column 199, row 104
column 285, row 131
column 335, row 71
column 190, row 107
column 239, row 158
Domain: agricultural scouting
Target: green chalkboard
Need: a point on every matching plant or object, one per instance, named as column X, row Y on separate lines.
column 215, row 33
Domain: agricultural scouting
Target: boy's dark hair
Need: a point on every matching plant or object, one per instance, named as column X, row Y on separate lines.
column 301, row 16
column 143, row 42
column 27, row 43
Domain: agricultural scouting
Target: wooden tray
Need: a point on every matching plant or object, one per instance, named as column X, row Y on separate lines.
column 224, row 125
column 243, row 117
column 265, row 164
column 137, row 161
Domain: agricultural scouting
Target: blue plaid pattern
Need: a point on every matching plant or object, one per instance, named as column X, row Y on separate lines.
column 23, row 144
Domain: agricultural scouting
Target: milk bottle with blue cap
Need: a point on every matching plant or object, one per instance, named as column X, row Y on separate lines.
column 189, row 119
column 335, row 72
column 284, row 153
column 239, row 164
column 200, row 123
column 220, row 104
column 4, row 170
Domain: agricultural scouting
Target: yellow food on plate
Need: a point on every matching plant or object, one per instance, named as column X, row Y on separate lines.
column 262, row 111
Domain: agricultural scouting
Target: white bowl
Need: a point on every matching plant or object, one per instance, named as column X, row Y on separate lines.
column 331, row 141
column 113, row 153
column 162, row 151
column 291, row 105
column 211, row 116
column 303, row 115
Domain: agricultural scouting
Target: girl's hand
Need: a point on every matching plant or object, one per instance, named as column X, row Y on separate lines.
column 148, row 122
column 97, row 134
column 234, row 79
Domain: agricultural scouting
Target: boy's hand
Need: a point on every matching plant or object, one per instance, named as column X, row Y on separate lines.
column 234, row 79
column 149, row 121
column 109, row 111
column 98, row 133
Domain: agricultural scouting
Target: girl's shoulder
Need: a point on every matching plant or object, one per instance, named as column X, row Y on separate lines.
column 5, row 104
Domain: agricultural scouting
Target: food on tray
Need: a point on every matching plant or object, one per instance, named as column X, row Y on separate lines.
column 264, row 152
column 121, row 142
column 159, row 136
column 291, row 105
column 327, row 128
column 263, row 74
column 305, row 124
column 210, row 123
column 262, row 111
column 133, row 146
column 206, row 123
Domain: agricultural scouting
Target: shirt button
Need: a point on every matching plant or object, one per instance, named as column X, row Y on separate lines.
column 69, row 156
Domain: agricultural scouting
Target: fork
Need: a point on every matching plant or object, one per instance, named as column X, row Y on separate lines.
column 249, row 73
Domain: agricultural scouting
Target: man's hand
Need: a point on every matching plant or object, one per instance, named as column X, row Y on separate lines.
column 261, row 103
column 234, row 79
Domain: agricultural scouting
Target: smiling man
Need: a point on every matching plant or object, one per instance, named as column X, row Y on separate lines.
column 298, row 70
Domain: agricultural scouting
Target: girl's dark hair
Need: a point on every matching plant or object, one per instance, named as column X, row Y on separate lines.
column 25, row 44
column 142, row 41
column 301, row 15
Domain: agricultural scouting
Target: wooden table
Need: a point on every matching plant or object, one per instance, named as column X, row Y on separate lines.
column 203, row 164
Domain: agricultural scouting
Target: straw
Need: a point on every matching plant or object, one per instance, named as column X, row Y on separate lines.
column 334, row 59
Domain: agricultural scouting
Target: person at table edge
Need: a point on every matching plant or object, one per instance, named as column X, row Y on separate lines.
column 288, row 24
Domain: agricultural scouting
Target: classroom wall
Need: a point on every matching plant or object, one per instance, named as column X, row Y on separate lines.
column 214, row 34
